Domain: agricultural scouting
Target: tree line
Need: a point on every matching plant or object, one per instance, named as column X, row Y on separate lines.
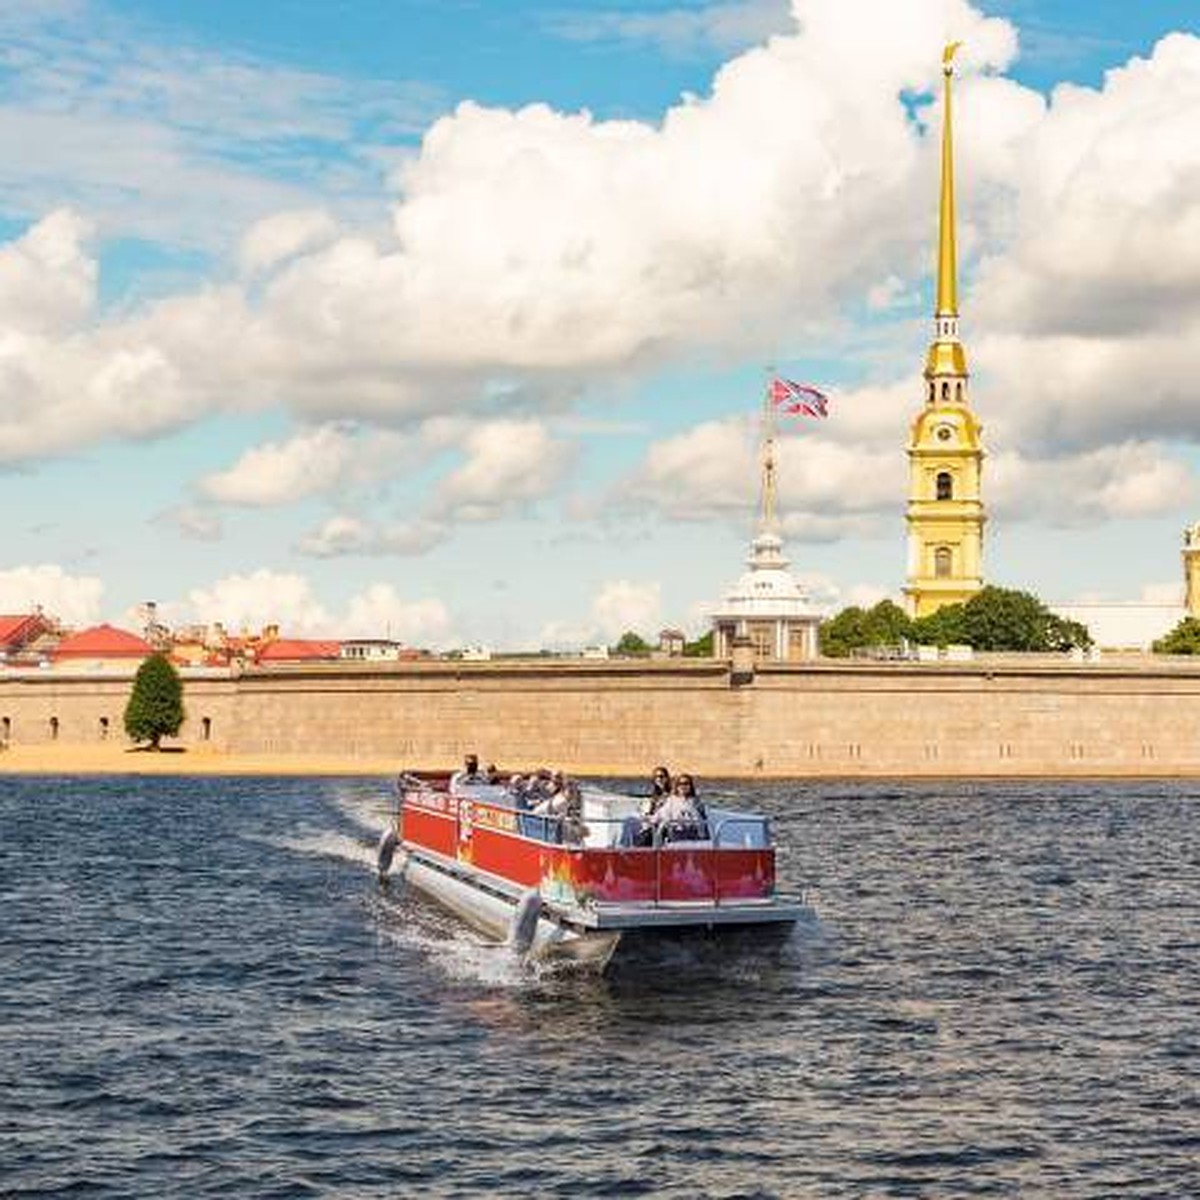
column 994, row 619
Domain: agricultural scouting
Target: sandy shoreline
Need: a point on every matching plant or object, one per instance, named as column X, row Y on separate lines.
column 120, row 760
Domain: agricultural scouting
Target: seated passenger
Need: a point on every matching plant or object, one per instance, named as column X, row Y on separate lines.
column 492, row 775
column 538, row 785
column 639, row 831
column 573, row 828
column 660, row 789
column 680, row 818
column 550, row 812
column 468, row 774
column 550, row 795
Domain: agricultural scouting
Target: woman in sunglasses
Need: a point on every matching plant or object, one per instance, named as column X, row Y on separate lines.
column 680, row 817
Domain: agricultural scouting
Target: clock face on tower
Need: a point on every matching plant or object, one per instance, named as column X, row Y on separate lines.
column 944, row 433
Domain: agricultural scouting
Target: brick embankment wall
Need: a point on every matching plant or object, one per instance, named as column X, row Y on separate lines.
column 1011, row 718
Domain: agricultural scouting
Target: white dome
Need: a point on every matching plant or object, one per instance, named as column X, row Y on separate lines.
column 768, row 588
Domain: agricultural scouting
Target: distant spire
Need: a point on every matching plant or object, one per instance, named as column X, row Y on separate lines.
column 946, row 354
column 947, row 283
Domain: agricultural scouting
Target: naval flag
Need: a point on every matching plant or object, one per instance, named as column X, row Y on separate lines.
column 798, row 399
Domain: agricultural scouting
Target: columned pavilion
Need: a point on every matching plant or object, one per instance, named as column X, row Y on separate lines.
column 767, row 604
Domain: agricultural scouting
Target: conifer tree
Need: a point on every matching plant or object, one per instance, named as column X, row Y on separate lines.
column 155, row 708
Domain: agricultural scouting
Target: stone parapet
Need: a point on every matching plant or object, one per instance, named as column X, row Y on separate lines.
column 1007, row 716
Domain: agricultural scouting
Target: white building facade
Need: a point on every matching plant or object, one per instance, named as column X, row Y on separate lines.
column 768, row 606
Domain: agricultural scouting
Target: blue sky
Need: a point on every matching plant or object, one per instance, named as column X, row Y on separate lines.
column 451, row 319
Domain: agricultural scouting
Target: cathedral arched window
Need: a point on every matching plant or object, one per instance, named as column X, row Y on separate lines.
column 945, row 485
column 958, row 392
column 946, row 392
column 942, row 562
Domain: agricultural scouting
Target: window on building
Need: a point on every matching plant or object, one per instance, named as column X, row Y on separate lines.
column 945, row 485
column 54, row 729
column 5, row 728
column 205, row 728
column 103, row 729
column 943, row 560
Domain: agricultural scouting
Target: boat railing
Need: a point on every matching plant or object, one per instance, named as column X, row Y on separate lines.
column 719, row 830
column 754, row 828
column 556, row 830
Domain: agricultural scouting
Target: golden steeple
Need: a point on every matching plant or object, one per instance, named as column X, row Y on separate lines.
column 946, row 355
column 945, row 516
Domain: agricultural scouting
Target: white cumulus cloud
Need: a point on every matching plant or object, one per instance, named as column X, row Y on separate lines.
column 533, row 248
column 342, row 534
column 281, row 472
column 380, row 611
column 508, row 463
column 47, row 278
column 73, row 599
column 289, row 600
column 281, row 236
column 260, row 598
column 618, row 606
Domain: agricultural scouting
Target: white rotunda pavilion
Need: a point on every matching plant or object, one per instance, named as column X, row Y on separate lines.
column 767, row 605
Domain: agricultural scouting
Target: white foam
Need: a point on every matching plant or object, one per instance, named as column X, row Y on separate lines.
column 371, row 811
column 326, row 843
column 454, row 948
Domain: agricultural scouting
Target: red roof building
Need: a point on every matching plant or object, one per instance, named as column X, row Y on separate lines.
column 16, row 632
column 299, row 650
column 102, row 645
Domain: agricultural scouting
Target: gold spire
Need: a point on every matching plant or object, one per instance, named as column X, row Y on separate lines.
column 947, row 284
column 946, row 355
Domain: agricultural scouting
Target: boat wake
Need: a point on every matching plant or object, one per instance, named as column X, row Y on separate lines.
column 403, row 919
column 365, row 814
column 406, row 922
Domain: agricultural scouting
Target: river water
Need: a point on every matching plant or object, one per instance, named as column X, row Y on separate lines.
column 202, row 992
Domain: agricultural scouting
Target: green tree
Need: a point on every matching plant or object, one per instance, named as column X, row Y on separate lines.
column 843, row 633
column 942, row 628
column 857, row 629
column 631, row 643
column 1001, row 619
column 155, row 708
column 702, row 647
column 1183, row 639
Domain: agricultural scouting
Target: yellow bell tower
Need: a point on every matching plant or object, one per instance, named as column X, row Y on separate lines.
column 1191, row 569
column 945, row 449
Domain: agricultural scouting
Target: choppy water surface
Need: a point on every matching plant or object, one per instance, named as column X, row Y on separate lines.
column 202, row 992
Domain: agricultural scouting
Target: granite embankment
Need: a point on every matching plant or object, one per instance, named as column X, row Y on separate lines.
column 1011, row 716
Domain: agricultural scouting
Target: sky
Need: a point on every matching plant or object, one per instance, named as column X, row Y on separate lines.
column 449, row 320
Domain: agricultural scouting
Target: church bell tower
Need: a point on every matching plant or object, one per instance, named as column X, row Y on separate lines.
column 945, row 449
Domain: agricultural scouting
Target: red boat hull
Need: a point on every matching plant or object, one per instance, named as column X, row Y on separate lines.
column 491, row 838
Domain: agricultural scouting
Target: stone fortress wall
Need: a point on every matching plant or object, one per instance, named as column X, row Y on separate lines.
column 1028, row 718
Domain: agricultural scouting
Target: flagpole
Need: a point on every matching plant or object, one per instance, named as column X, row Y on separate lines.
column 767, row 516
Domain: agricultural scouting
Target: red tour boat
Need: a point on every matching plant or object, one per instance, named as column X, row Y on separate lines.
column 579, row 886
